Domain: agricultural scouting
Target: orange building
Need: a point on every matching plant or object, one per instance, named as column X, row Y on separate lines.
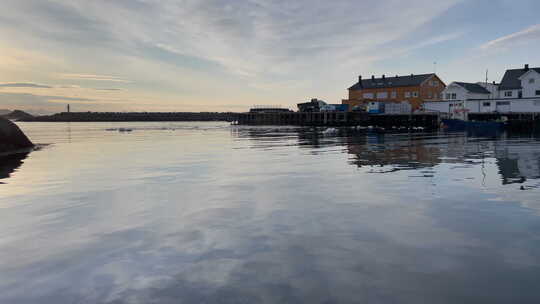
column 412, row 88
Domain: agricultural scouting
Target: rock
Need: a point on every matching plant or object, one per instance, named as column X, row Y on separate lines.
column 11, row 137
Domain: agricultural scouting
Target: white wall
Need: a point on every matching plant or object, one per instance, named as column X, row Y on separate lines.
column 492, row 88
column 461, row 93
column 529, row 89
column 485, row 105
column 515, row 94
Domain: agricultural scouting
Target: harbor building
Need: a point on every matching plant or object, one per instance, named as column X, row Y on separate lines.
column 518, row 92
column 466, row 91
column 520, row 83
column 414, row 89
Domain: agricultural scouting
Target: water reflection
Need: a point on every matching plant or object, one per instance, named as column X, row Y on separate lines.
column 10, row 163
column 269, row 215
column 517, row 156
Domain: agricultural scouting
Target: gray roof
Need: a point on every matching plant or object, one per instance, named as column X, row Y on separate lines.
column 391, row 82
column 511, row 80
column 473, row 87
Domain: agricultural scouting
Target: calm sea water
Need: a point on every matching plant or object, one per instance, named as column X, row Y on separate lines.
column 209, row 213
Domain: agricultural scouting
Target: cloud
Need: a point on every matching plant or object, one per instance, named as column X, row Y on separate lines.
column 109, row 89
column 27, row 99
column 93, row 77
column 24, row 85
column 527, row 35
column 182, row 49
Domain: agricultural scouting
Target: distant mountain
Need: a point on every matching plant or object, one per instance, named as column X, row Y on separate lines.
column 17, row 115
column 4, row 112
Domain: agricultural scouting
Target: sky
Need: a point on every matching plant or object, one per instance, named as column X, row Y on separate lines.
column 224, row 55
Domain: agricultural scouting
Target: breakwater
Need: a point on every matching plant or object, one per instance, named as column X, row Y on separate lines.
column 134, row 116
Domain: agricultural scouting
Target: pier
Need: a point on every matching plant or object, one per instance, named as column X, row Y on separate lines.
column 425, row 120
column 515, row 121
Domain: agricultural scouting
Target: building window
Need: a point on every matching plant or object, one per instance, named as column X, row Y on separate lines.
column 415, row 94
column 486, row 104
column 531, row 80
column 430, row 95
column 368, row 95
column 407, row 94
column 508, row 94
column 382, row 95
column 454, row 96
column 537, row 92
column 435, row 83
column 394, row 94
column 503, row 103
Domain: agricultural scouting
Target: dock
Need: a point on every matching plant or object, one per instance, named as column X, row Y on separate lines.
column 424, row 120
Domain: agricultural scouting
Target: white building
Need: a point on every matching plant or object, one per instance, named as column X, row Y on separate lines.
column 518, row 92
column 530, row 83
column 520, row 83
column 465, row 91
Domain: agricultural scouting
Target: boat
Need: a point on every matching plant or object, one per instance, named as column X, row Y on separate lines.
column 459, row 121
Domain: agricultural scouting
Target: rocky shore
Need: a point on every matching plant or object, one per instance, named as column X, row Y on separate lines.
column 12, row 138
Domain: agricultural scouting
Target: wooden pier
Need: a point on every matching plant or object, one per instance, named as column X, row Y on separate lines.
column 425, row 120
column 516, row 121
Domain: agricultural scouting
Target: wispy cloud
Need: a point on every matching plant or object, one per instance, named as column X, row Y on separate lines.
column 35, row 101
column 24, row 85
column 178, row 50
column 109, row 89
column 527, row 35
column 93, row 77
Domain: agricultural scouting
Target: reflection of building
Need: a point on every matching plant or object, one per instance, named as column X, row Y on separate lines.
column 517, row 163
column 375, row 150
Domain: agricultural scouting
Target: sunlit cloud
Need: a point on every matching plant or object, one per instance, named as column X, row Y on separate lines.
column 529, row 34
column 217, row 52
column 93, row 77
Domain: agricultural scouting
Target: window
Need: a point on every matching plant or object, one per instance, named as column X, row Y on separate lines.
column 435, row 83
column 508, row 94
column 503, row 103
column 531, row 80
column 382, row 95
column 537, row 92
column 486, row 104
column 448, row 96
column 415, row 94
column 407, row 94
column 454, row 96
column 394, row 94
column 368, row 95
column 430, row 95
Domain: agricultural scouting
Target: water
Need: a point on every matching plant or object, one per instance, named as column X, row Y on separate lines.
column 208, row 213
